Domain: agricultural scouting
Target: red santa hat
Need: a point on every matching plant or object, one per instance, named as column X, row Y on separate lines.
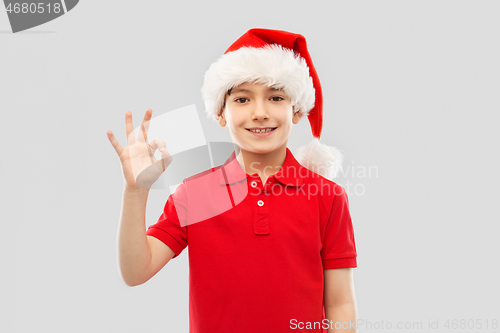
column 279, row 59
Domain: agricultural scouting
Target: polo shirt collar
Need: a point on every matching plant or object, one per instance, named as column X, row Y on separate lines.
column 289, row 174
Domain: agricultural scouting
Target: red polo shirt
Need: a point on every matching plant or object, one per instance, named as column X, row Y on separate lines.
column 257, row 253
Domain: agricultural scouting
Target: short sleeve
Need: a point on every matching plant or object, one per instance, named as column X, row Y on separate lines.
column 171, row 226
column 339, row 248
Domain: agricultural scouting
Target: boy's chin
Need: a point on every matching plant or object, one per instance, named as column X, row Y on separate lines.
column 261, row 149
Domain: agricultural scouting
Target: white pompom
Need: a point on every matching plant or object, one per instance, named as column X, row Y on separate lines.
column 321, row 159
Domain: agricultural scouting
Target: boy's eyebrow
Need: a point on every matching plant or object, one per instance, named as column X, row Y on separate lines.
column 248, row 91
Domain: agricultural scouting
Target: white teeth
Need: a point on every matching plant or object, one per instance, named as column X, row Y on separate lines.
column 261, row 131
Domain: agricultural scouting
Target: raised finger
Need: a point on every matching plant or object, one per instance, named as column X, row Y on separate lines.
column 145, row 126
column 129, row 128
column 118, row 147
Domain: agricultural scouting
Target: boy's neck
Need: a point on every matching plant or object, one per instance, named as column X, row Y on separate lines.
column 264, row 165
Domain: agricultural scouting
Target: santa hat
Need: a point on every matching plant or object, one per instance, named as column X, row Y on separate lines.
column 279, row 59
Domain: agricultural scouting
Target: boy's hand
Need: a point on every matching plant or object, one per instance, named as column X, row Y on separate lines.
column 140, row 168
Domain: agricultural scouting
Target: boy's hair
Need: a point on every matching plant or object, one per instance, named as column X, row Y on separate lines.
column 228, row 94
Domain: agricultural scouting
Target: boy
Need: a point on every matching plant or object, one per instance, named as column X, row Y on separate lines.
column 271, row 243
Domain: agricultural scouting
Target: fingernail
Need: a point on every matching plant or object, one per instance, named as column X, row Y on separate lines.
column 162, row 148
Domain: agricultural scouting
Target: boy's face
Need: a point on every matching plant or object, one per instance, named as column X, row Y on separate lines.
column 257, row 106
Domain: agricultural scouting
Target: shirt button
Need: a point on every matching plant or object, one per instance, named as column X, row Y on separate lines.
column 254, row 183
column 260, row 203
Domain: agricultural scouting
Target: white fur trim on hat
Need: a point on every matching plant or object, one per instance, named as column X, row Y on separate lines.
column 321, row 159
column 272, row 65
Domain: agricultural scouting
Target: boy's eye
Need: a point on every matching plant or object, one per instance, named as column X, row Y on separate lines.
column 244, row 99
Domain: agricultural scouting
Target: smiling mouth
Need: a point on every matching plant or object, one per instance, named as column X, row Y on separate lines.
column 264, row 130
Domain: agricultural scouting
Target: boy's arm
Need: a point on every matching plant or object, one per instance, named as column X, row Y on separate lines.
column 140, row 256
column 340, row 300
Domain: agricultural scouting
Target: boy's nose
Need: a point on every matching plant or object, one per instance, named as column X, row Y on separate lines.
column 259, row 111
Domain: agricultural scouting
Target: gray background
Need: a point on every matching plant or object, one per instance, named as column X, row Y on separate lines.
column 410, row 88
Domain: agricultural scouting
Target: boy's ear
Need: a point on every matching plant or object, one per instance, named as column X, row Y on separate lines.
column 221, row 119
column 296, row 117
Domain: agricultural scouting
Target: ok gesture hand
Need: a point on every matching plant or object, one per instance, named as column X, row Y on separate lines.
column 139, row 165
